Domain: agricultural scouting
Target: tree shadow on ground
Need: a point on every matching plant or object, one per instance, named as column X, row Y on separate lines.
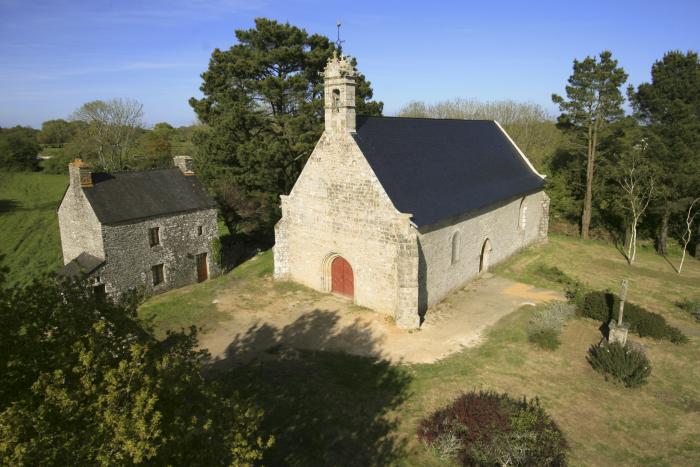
column 8, row 205
column 323, row 407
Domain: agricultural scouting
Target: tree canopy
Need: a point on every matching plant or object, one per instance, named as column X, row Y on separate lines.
column 85, row 382
column 263, row 111
column 19, row 148
column 669, row 110
column 593, row 101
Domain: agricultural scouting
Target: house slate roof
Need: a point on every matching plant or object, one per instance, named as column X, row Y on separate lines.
column 127, row 196
column 83, row 265
column 438, row 169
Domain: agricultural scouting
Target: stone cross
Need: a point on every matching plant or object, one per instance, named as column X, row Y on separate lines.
column 617, row 332
column 623, row 297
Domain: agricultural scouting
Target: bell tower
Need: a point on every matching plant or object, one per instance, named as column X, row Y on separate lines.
column 339, row 95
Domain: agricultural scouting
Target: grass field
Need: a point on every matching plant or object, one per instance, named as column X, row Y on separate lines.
column 29, row 239
column 335, row 409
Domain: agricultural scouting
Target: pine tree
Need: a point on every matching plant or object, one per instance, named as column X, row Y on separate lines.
column 669, row 110
column 263, row 110
column 594, row 100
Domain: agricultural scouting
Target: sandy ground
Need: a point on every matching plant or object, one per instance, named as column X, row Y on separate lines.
column 305, row 319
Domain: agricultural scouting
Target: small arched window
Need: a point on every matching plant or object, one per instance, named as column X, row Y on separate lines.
column 336, row 99
column 522, row 214
column 455, row 247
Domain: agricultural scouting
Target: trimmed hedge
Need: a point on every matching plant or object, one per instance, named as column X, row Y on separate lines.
column 605, row 306
column 692, row 307
column 488, row 428
column 623, row 363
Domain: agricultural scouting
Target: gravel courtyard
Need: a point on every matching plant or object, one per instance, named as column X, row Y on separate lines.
column 291, row 317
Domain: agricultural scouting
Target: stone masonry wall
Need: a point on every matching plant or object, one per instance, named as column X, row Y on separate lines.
column 80, row 229
column 439, row 276
column 129, row 256
column 338, row 207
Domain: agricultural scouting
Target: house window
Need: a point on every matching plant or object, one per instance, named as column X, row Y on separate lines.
column 157, row 272
column 522, row 214
column 455, row 247
column 154, row 236
column 199, row 231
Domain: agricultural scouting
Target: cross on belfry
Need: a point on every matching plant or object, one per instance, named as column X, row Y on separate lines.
column 338, row 42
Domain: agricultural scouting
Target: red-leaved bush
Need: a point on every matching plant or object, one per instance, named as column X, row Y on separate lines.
column 488, row 428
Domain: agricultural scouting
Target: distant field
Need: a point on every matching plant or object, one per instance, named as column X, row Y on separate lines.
column 29, row 239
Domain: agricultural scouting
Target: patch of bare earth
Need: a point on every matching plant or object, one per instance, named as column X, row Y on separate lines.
column 264, row 315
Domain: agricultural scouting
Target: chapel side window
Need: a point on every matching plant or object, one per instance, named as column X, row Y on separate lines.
column 522, row 214
column 455, row 247
column 154, row 236
column 199, row 231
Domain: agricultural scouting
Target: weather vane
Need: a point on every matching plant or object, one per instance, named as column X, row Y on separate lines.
column 338, row 42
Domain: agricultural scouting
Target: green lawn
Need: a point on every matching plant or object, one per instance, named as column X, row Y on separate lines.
column 334, row 409
column 29, row 238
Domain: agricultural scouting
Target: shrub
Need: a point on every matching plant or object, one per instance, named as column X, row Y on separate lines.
column 596, row 306
column 623, row 363
column 605, row 306
column 692, row 307
column 487, row 428
column 547, row 323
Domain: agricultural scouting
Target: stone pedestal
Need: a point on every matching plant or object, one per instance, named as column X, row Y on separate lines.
column 618, row 333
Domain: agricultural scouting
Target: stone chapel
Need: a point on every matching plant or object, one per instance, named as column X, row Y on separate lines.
column 395, row 213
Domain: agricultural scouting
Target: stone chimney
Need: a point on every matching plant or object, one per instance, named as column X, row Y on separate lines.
column 79, row 174
column 339, row 92
column 184, row 163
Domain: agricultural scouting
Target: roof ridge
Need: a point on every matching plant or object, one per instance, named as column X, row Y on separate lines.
column 137, row 171
column 427, row 118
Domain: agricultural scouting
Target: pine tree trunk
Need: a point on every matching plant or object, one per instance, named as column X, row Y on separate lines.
column 587, row 201
column 663, row 233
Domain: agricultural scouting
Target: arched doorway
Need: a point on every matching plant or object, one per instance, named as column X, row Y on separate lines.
column 342, row 280
column 485, row 253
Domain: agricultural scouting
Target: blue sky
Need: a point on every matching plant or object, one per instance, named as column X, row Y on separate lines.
column 56, row 55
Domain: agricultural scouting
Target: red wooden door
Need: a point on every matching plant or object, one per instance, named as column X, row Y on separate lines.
column 342, row 281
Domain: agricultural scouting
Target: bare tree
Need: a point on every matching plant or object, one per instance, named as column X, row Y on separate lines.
column 111, row 128
column 689, row 220
column 637, row 184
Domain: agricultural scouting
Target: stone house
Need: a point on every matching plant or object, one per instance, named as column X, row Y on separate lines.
column 396, row 213
column 148, row 230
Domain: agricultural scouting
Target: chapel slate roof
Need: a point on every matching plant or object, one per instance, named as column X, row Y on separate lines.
column 438, row 169
column 128, row 196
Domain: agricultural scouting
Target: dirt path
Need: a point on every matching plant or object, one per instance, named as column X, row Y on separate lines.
column 304, row 319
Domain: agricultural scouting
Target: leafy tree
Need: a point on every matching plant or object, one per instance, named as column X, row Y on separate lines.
column 669, row 110
column 86, row 383
column 263, row 111
column 110, row 132
column 19, row 148
column 593, row 102
column 155, row 147
column 56, row 132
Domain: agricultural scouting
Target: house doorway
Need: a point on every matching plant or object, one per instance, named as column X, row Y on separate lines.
column 202, row 270
column 342, row 280
column 484, row 259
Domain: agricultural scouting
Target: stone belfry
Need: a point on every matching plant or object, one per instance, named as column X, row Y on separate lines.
column 339, row 93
